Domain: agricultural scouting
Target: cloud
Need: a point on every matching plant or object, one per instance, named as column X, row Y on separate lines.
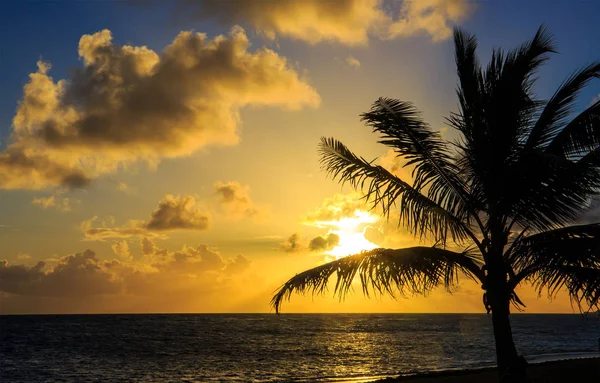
column 173, row 213
column 350, row 22
column 324, row 243
column 176, row 213
column 337, row 207
column 392, row 163
column 132, row 228
column 61, row 204
column 122, row 250
column 433, row 17
column 126, row 188
column 84, row 275
column 130, row 104
column 293, row 244
column 353, row 62
column 234, row 198
column 80, row 274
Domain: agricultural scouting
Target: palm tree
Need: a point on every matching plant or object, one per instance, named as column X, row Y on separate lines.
column 507, row 193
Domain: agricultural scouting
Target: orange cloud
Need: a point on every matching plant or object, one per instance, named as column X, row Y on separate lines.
column 131, row 104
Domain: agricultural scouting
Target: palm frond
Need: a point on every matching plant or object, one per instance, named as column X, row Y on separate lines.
column 509, row 106
column 415, row 270
column 566, row 258
column 549, row 191
column 580, row 135
column 497, row 114
column 469, row 90
column 560, row 106
column 401, row 127
column 382, row 189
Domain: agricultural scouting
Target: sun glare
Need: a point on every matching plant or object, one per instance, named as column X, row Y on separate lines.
column 351, row 233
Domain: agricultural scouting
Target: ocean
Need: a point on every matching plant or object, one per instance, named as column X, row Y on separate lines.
column 267, row 348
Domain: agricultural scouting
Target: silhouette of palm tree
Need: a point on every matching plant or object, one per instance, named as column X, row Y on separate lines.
column 504, row 192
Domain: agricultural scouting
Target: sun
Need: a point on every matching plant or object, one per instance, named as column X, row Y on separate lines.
column 351, row 233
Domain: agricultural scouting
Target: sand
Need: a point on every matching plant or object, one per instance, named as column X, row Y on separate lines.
column 564, row 371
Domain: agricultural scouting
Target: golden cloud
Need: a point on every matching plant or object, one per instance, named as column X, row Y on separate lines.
column 121, row 249
column 349, row 22
column 337, row 207
column 433, row 17
column 131, row 104
column 173, row 213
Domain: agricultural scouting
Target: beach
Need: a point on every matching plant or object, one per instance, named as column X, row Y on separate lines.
column 575, row 370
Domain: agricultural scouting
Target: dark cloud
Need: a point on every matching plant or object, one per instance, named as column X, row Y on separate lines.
column 80, row 274
column 325, row 243
column 84, row 275
column 129, row 103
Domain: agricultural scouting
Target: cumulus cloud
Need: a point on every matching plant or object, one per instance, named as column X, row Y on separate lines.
column 129, row 103
column 173, row 213
column 84, row 275
column 293, row 243
column 349, row 22
column 178, row 212
column 235, row 200
column 324, row 243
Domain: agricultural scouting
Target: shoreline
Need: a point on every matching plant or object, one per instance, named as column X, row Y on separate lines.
column 580, row 369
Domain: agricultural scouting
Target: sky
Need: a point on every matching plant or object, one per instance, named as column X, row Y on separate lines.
column 161, row 156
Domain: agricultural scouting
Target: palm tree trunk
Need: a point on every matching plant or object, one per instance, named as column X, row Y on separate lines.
column 510, row 365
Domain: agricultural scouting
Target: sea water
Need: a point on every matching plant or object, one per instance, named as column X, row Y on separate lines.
column 268, row 348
